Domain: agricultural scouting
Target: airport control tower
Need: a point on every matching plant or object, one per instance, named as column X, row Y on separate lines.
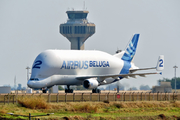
column 77, row 29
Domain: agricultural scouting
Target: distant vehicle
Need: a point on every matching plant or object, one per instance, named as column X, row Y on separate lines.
column 90, row 68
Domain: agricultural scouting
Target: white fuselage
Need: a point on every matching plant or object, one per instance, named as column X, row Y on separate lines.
column 61, row 67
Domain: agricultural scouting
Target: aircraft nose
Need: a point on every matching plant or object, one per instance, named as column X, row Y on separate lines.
column 30, row 83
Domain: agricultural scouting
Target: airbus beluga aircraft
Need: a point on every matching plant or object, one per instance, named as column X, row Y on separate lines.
column 90, row 68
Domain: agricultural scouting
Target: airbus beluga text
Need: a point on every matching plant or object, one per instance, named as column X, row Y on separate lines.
column 90, row 68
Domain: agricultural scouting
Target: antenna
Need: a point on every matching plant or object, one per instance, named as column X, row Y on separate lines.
column 84, row 6
column 15, row 82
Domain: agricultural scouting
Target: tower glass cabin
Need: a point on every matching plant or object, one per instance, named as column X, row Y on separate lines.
column 77, row 29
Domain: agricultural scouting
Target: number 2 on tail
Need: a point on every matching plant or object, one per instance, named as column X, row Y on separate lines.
column 161, row 63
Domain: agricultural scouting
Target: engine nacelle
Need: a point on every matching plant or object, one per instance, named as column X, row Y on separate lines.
column 90, row 83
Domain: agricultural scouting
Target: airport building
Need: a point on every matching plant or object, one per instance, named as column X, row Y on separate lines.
column 5, row 89
column 77, row 29
column 164, row 87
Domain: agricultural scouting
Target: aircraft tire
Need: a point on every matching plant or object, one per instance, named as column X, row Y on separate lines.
column 93, row 90
column 44, row 91
column 65, row 90
column 96, row 90
column 68, row 90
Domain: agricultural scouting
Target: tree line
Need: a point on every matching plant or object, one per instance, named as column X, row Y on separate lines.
column 109, row 87
column 172, row 82
column 122, row 87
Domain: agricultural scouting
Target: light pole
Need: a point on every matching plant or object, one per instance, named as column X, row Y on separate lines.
column 175, row 76
column 27, row 73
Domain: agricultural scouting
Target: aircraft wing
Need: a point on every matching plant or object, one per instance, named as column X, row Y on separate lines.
column 115, row 76
column 134, row 70
column 159, row 67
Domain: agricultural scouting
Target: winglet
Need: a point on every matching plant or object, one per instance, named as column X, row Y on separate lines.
column 160, row 63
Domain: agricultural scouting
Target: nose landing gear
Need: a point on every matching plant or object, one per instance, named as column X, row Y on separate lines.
column 44, row 90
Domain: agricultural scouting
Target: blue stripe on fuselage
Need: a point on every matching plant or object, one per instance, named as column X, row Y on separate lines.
column 125, row 69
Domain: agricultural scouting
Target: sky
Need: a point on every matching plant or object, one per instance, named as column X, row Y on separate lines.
column 28, row 27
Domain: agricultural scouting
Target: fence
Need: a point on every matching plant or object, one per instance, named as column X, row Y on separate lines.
column 94, row 97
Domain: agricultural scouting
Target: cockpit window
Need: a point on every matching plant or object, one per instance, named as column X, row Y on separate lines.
column 35, row 79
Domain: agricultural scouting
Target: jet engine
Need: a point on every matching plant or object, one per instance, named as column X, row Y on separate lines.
column 90, row 83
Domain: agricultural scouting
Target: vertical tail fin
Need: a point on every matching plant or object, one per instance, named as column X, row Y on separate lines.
column 131, row 49
column 160, row 63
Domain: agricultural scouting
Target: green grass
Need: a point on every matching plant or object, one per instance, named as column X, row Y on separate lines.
column 92, row 110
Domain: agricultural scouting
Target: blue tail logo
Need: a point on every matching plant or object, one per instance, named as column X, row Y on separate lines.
column 131, row 49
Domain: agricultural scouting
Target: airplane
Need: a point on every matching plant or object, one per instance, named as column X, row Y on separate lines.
column 90, row 68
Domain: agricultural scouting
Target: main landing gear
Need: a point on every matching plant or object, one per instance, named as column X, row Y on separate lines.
column 44, row 90
column 68, row 90
column 95, row 90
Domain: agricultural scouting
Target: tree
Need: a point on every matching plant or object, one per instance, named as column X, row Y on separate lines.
column 60, row 87
column 134, row 88
column 80, row 87
column 144, row 87
column 114, row 85
column 172, row 82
